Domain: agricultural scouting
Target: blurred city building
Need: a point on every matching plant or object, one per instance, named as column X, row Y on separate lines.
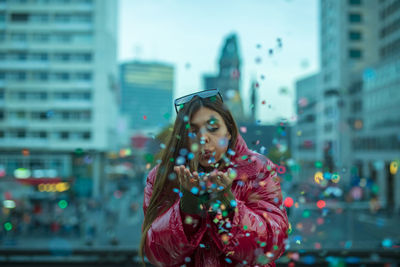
column 228, row 78
column 58, row 95
column 306, row 148
column 347, row 117
column 146, row 94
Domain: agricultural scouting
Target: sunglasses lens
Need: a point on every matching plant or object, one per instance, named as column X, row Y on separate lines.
column 179, row 103
column 183, row 100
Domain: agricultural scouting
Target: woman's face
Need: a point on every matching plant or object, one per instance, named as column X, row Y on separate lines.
column 208, row 132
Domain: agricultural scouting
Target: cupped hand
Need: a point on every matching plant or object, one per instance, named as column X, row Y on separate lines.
column 217, row 181
column 188, row 180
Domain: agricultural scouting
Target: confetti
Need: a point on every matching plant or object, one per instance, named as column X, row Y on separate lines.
column 394, row 165
column 188, row 220
column 281, row 169
column 243, row 129
column 306, row 213
column 180, row 160
column 183, row 152
column 318, row 177
column 321, row 204
column 194, row 190
column 288, row 202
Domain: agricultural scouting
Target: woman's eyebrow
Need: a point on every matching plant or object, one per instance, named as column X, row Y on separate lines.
column 211, row 121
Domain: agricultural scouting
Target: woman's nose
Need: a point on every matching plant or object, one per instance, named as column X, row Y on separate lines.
column 204, row 138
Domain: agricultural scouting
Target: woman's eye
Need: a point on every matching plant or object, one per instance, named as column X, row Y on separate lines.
column 212, row 129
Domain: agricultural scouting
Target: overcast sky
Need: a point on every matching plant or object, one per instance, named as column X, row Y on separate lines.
column 191, row 33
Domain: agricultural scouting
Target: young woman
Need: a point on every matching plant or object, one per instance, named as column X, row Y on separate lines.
column 211, row 201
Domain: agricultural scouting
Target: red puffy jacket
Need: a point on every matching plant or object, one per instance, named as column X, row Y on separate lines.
column 257, row 231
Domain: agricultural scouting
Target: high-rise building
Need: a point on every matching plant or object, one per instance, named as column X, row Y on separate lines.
column 376, row 138
column 348, row 32
column 306, row 147
column 58, row 74
column 146, row 94
column 228, row 78
column 357, row 94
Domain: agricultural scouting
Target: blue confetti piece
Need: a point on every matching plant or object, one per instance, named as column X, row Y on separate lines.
column 353, row 260
column 308, row 259
column 233, row 203
column 194, row 190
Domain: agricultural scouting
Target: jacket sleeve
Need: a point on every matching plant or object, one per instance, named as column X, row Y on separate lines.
column 172, row 236
column 256, row 231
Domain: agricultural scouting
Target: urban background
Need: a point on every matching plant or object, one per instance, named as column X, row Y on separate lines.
column 80, row 129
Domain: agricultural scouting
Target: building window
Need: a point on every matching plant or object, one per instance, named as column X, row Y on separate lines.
column 18, row 37
column 62, row 57
column 19, row 17
column 39, row 18
column 355, row 36
column 40, row 37
column 355, row 2
column 85, row 76
column 62, row 76
column 355, row 53
column 86, row 135
column 16, row 76
column 63, row 18
column 39, row 57
column 2, row 18
column 328, row 127
column 21, row 134
column 64, row 135
column 355, row 18
column 40, row 76
column 62, row 37
column 2, row 36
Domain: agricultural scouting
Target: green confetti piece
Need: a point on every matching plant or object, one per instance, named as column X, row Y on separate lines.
column 318, row 164
column 167, row 116
column 275, row 247
column 8, row 226
column 306, row 213
column 224, row 213
column 149, row 158
column 215, row 220
column 245, row 157
column 187, row 126
column 245, row 227
column 263, row 244
column 269, row 168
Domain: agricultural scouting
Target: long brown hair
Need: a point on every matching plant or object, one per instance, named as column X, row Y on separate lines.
column 161, row 198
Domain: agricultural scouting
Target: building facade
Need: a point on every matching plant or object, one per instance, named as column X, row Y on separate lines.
column 147, row 94
column 58, row 88
column 228, row 78
column 357, row 97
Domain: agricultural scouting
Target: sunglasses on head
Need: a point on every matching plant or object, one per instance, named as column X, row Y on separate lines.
column 181, row 101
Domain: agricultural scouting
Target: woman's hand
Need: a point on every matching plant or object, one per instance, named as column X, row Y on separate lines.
column 189, row 181
column 217, row 181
